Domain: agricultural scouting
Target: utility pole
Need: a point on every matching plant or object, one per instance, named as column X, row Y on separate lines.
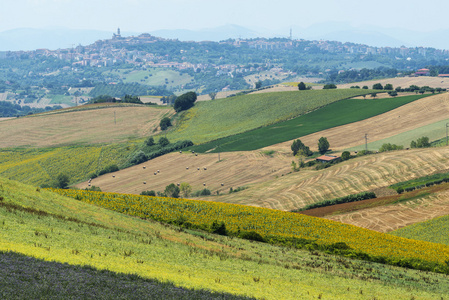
column 447, row 124
column 218, row 153
column 115, row 119
column 366, row 142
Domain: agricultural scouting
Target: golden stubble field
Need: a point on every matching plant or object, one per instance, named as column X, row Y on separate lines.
column 408, row 117
column 104, row 124
column 391, row 217
column 270, row 181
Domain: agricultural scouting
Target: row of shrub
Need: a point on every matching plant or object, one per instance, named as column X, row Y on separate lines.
column 140, row 156
column 339, row 248
column 419, row 183
column 346, row 199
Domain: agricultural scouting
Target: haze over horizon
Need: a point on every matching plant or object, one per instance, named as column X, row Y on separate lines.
column 389, row 23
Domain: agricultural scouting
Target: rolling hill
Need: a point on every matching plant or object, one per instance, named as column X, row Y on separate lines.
column 50, row 227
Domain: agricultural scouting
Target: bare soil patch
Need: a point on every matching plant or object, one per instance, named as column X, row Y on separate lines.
column 105, row 125
column 405, row 118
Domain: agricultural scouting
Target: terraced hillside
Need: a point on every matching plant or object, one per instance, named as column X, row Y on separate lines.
column 91, row 124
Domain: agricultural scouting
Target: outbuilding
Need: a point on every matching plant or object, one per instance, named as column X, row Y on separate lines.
column 327, row 158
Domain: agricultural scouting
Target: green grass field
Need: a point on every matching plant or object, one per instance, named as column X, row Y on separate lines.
column 335, row 114
column 47, row 226
column 211, row 120
column 42, row 165
column 434, row 231
column 434, row 131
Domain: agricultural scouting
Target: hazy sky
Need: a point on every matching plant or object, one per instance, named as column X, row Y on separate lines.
column 149, row 15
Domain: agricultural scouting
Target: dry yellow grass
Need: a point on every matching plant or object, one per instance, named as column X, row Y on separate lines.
column 408, row 117
column 88, row 126
column 392, row 217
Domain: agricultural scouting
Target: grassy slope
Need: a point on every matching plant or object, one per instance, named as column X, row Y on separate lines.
column 434, row 131
column 211, row 120
column 24, row 277
column 434, row 230
column 81, row 234
column 333, row 115
column 39, row 166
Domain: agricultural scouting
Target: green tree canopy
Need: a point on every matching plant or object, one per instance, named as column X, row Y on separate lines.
column 378, row 86
column 172, row 190
column 185, row 101
column 299, row 148
column 163, row 141
column 323, row 145
column 302, row 86
column 165, row 123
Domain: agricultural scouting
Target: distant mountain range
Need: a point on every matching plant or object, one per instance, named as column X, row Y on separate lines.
column 55, row 38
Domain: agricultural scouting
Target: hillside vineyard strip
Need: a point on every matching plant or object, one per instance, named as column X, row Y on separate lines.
column 266, row 222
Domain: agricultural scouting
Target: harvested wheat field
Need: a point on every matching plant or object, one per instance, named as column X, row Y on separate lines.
column 296, row 190
column 391, row 217
column 403, row 82
column 234, row 170
column 269, row 179
column 405, row 118
column 77, row 126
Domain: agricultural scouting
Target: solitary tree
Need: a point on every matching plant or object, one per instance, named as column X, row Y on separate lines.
column 323, row 145
column 172, row 190
column 345, row 155
column 212, row 95
column 62, row 180
column 258, row 84
column 165, row 123
column 185, row 101
column 185, row 188
column 302, row 86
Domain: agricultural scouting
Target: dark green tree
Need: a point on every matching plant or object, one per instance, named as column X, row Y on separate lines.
column 329, row 86
column 378, row 86
column 258, row 84
column 172, row 190
column 150, row 141
column 299, row 148
column 62, row 181
column 165, row 123
column 185, row 101
column 163, row 141
column 365, row 87
column 345, row 155
column 212, row 95
column 323, row 145
column 388, row 87
column 302, row 86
